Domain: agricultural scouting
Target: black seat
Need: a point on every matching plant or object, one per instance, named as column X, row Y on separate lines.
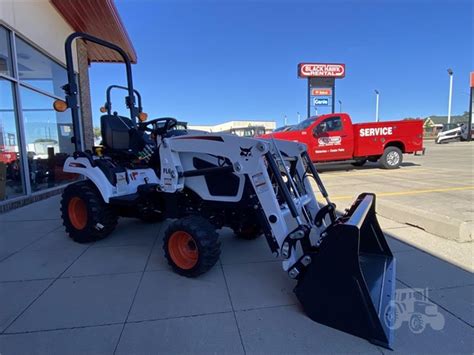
column 116, row 131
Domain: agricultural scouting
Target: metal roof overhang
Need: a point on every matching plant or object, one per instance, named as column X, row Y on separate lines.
column 99, row 18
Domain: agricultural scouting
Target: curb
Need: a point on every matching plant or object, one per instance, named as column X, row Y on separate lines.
column 440, row 225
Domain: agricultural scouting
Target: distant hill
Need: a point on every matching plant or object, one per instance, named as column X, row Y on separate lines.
column 439, row 120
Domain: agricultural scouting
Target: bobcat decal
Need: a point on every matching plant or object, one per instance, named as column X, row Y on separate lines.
column 246, row 153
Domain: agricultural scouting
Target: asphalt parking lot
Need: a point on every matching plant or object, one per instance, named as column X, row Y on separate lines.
column 119, row 296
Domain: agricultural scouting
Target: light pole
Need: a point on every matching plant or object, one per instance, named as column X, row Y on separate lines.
column 471, row 102
column 450, row 72
column 340, row 105
column 377, row 94
column 286, row 120
column 299, row 117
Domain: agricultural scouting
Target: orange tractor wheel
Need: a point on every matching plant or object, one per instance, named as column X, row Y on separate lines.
column 191, row 246
column 85, row 215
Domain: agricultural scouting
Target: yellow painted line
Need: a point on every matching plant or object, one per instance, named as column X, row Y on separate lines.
column 356, row 174
column 410, row 192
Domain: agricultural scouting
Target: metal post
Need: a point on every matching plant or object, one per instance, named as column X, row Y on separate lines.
column 469, row 121
column 309, row 99
column 340, row 105
column 286, row 121
column 450, row 72
column 21, row 131
column 377, row 105
column 334, row 97
column 299, row 117
column 72, row 90
column 108, row 104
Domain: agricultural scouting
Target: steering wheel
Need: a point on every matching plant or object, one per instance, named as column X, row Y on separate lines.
column 169, row 122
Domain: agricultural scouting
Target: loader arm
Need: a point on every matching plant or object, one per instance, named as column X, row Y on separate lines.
column 343, row 266
column 254, row 160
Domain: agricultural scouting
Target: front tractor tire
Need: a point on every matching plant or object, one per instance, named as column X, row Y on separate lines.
column 191, row 246
column 86, row 217
column 392, row 158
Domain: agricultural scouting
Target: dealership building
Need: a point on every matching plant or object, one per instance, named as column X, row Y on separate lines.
column 35, row 139
column 240, row 127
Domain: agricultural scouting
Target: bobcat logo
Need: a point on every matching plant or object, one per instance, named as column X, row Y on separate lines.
column 246, row 152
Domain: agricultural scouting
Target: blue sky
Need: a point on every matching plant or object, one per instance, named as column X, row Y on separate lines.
column 207, row 62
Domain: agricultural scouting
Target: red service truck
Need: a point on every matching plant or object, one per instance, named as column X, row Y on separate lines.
column 334, row 138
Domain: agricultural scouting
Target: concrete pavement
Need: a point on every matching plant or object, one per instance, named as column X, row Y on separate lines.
column 119, row 296
column 434, row 192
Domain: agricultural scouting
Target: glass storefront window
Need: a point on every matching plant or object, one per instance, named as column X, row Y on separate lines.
column 48, row 140
column 5, row 57
column 36, row 69
column 11, row 171
column 45, row 134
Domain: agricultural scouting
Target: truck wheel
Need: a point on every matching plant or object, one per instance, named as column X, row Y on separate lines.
column 359, row 162
column 392, row 158
column 191, row 246
column 85, row 215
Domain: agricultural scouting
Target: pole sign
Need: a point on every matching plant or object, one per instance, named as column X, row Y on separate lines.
column 321, row 79
column 320, row 102
column 324, row 70
column 321, row 92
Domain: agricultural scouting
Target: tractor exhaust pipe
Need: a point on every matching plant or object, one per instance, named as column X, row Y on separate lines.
column 351, row 279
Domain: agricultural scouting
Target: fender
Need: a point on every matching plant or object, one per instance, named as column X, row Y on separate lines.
column 395, row 143
column 82, row 166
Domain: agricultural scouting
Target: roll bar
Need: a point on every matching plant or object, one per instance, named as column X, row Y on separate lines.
column 108, row 102
column 71, row 89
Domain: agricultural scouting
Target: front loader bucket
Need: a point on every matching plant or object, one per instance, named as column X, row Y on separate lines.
column 351, row 279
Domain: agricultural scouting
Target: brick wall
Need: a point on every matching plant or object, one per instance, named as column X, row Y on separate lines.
column 85, row 97
column 23, row 201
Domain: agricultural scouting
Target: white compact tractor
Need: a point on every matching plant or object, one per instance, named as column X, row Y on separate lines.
column 343, row 268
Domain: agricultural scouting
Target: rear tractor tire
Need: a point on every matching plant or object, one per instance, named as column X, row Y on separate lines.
column 86, row 217
column 392, row 158
column 191, row 246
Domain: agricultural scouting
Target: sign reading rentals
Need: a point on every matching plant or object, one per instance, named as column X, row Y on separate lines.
column 321, row 92
column 327, row 70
